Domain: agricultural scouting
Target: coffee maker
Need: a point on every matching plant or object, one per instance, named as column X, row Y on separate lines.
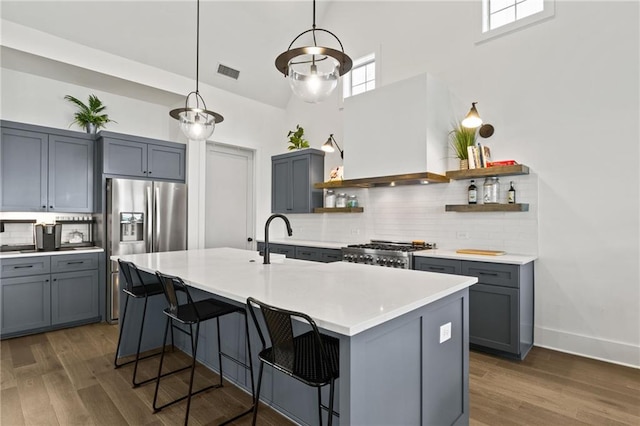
column 48, row 236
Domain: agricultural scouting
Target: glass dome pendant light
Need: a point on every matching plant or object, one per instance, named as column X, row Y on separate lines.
column 313, row 71
column 196, row 122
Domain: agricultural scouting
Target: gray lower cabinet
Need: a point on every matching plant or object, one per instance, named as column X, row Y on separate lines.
column 44, row 292
column 314, row 254
column 292, row 178
column 136, row 157
column 500, row 304
column 45, row 170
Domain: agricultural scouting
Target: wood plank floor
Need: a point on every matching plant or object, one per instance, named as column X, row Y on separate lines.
column 66, row 377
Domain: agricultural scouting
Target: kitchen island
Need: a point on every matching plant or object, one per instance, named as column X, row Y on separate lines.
column 403, row 334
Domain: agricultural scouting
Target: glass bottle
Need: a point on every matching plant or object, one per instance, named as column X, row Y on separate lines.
column 511, row 195
column 330, row 199
column 472, row 193
column 352, row 201
column 341, row 200
column 490, row 190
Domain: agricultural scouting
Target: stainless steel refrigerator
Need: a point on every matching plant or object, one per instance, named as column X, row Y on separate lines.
column 142, row 217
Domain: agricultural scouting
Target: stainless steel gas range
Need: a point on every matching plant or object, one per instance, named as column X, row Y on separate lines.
column 392, row 254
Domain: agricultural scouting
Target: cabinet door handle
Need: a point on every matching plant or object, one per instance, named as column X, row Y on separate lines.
column 491, row 274
column 22, row 267
column 306, row 253
column 76, row 262
column 436, row 268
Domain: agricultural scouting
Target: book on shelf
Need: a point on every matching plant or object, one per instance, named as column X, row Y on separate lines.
column 471, row 155
column 485, row 155
column 501, row 163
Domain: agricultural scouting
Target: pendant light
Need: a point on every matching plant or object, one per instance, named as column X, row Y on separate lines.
column 313, row 71
column 196, row 122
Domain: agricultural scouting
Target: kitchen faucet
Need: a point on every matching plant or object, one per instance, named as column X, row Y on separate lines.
column 266, row 234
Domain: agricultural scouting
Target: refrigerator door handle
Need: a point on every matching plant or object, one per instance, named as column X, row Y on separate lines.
column 156, row 220
column 149, row 220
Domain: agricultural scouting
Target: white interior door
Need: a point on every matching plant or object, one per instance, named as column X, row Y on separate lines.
column 229, row 204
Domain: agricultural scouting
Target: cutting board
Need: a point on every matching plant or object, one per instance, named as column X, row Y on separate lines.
column 483, row 252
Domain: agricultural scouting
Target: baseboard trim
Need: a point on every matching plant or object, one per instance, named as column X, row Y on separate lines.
column 587, row 346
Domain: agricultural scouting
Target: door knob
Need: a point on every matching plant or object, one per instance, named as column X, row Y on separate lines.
column 249, row 239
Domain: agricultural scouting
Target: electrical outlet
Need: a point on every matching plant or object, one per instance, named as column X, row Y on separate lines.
column 445, row 332
column 462, row 235
column 355, row 231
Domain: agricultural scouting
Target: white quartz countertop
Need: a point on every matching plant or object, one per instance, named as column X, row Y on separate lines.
column 514, row 259
column 77, row 250
column 342, row 297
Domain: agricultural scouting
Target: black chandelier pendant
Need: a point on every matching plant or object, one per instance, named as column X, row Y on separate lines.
column 197, row 123
column 314, row 71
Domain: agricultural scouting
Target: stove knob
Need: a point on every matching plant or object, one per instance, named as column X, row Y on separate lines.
column 368, row 258
column 361, row 258
column 382, row 261
column 392, row 263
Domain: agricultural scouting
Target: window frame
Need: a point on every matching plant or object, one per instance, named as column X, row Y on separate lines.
column 347, row 88
column 548, row 12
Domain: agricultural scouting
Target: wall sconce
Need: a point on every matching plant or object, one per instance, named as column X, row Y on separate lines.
column 473, row 121
column 328, row 146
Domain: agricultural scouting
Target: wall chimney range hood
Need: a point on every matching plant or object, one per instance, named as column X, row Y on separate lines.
column 397, row 134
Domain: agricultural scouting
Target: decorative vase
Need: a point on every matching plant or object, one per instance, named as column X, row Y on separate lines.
column 464, row 164
column 91, row 128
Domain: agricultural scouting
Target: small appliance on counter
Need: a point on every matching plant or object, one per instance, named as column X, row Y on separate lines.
column 48, row 236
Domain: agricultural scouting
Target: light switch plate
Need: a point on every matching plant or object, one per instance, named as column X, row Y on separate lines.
column 445, row 332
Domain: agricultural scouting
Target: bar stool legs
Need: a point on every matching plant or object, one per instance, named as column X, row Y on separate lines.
column 193, row 337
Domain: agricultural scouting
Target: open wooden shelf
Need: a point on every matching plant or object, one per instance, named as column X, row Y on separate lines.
column 338, row 210
column 468, row 208
column 393, row 180
column 516, row 169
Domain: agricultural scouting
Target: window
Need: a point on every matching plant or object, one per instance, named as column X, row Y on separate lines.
column 502, row 16
column 362, row 76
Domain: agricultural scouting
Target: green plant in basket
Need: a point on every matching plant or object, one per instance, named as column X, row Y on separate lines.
column 460, row 138
column 296, row 139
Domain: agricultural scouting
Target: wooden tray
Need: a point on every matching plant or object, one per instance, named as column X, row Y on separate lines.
column 483, row 252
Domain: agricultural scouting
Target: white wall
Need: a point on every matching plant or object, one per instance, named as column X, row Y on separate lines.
column 563, row 97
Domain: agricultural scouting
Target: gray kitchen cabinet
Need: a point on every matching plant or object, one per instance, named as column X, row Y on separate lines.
column 74, row 296
column 41, row 293
column 317, row 254
column 287, row 250
column 292, row 177
column 500, row 304
column 133, row 156
column 25, row 304
column 314, row 254
column 45, row 169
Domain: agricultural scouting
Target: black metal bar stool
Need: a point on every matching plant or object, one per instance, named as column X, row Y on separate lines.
column 135, row 287
column 190, row 313
column 311, row 357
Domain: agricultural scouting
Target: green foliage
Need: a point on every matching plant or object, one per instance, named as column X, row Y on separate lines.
column 460, row 138
column 92, row 114
column 296, row 139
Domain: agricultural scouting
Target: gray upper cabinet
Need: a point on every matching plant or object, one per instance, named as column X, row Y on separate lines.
column 292, row 178
column 45, row 169
column 132, row 156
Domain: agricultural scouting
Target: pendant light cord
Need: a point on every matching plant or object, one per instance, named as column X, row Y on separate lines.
column 197, row 48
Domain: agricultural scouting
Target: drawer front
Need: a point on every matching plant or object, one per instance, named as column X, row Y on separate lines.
column 330, row 255
column 24, row 266
column 288, row 251
column 492, row 273
column 74, row 262
column 307, row 253
column 431, row 264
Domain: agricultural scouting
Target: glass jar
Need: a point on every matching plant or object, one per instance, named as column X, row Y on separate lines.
column 341, row 200
column 352, row 201
column 330, row 199
column 490, row 190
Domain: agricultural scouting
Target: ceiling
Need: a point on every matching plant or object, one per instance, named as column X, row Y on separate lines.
column 244, row 35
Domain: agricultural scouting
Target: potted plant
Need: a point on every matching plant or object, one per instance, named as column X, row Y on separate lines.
column 296, row 139
column 90, row 117
column 460, row 138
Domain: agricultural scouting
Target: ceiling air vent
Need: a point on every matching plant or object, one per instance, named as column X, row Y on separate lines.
column 227, row 71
